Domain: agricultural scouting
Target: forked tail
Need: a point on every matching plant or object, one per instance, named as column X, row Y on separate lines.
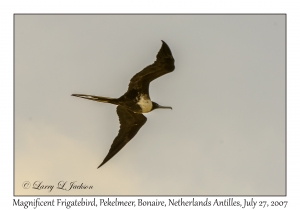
column 97, row 98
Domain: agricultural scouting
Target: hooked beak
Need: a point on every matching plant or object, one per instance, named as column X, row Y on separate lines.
column 163, row 107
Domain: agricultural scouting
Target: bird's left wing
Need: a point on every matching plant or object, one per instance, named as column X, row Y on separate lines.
column 130, row 124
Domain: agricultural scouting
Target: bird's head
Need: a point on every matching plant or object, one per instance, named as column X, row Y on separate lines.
column 157, row 106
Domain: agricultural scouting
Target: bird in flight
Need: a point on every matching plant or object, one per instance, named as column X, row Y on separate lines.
column 136, row 101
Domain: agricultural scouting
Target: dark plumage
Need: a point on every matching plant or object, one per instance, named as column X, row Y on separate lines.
column 136, row 100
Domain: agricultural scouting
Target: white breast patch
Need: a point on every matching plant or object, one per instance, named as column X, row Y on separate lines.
column 145, row 103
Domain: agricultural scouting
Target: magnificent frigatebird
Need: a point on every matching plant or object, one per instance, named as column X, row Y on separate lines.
column 136, row 100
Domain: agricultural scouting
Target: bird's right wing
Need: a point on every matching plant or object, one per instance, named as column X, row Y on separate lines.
column 130, row 124
column 164, row 64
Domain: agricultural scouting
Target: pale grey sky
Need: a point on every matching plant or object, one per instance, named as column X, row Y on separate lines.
column 224, row 136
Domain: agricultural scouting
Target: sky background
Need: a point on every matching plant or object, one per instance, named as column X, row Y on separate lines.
column 224, row 136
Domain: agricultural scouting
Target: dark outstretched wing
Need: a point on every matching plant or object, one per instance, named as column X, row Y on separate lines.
column 164, row 64
column 130, row 124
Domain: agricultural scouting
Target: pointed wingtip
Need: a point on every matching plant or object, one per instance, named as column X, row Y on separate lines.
column 101, row 164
